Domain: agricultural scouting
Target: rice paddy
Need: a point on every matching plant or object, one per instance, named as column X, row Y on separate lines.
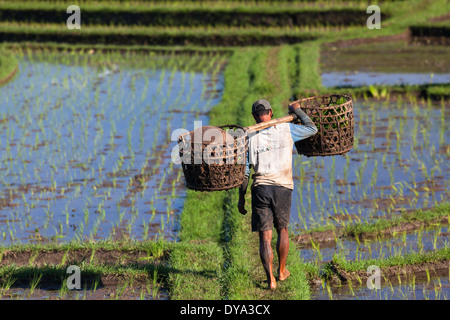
column 88, row 125
column 74, row 165
column 399, row 162
column 436, row 288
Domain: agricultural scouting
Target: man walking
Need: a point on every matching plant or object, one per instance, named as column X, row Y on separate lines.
column 270, row 155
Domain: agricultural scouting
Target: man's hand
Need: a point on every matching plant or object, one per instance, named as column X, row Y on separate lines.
column 242, row 190
column 241, row 205
column 293, row 106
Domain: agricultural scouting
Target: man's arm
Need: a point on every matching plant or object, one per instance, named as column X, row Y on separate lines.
column 243, row 188
column 306, row 130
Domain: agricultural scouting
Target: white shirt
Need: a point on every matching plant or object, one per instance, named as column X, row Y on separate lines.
column 270, row 153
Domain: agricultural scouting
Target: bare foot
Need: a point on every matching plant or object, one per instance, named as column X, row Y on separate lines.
column 284, row 275
column 272, row 285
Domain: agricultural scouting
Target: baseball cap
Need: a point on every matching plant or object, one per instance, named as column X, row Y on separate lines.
column 261, row 104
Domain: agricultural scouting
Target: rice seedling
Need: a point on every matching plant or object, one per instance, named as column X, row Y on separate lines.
column 34, row 283
column 82, row 138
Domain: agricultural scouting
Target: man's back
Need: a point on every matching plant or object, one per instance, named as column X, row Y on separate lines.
column 270, row 153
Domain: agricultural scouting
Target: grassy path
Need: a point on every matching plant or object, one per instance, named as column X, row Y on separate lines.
column 253, row 73
column 229, row 267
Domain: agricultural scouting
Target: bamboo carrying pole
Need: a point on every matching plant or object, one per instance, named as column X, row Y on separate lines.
column 270, row 123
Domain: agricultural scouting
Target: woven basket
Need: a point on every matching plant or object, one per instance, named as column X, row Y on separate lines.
column 334, row 123
column 214, row 166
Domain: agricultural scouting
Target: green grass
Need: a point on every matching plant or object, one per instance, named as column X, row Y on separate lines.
column 151, row 247
column 202, row 221
column 196, row 270
column 439, row 92
column 190, row 13
column 137, row 35
column 8, row 66
column 426, row 216
column 245, row 82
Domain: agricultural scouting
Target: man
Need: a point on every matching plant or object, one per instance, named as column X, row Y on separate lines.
column 270, row 155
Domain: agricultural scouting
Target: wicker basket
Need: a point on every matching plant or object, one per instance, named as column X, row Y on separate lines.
column 214, row 166
column 334, row 123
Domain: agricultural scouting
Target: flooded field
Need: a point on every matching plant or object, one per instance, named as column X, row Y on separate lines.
column 85, row 144
column 386, row 63
column 122, row 292
column 424, row 240
column 400, row 161
column 434, row 288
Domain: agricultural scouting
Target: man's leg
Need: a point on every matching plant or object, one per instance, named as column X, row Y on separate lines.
column 283, row 250
column 266, row 254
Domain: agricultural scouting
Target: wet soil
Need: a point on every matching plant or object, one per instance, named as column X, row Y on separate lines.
column 136, row 292
column 329, row 237
column 370, row 56
column 42, row 258
column 94, row 285
column 394, row 274
column 9, row 77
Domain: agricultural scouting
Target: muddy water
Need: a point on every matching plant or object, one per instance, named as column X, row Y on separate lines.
column 85, row 150
column 436, row 288
column 121, row 293
column 358, row 78
column 426, row 240
column 387, row 63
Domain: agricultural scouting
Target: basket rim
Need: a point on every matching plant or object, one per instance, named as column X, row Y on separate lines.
column 181, row 136
column 347, row 103
column 309, row 154
column 324, row 154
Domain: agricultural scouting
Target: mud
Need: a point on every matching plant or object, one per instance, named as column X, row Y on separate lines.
column 9, row 77
column 123, row 292
column 94, row 285
column 322, row 237
column 329, row 237
column 76, row 188
column 88, row 256
column 393, row 274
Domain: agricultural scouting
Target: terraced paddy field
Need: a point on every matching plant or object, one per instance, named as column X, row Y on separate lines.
column 73, row 131
column 88, row 123
column 399, row 162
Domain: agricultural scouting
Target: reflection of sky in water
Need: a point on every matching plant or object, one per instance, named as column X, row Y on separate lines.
column 74, row 114
column 438, row 288
column 354, row 79
column 399, row 160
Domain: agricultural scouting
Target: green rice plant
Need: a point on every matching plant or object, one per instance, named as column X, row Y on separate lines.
column 330, row 294
column 34, row 283
column 63, row 290
column 155, row 286
column 6, row 284
column 428, row 275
